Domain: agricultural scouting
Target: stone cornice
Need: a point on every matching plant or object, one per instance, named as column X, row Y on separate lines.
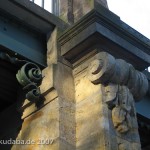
column 103, row 28
column 92, row 17
column 102, row 15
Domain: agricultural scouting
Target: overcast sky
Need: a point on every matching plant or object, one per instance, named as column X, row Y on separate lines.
column 134, row 12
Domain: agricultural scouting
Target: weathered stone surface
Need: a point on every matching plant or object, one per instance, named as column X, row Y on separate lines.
column 84, row 88
column 73, row 112
column 126, row 145
column 28, row 108
column 87, row 106
column 120, row 101
column 43, row 124
column 83, row 115
column 114, row 76
column 136, row 146
column 48, row 79
column 87, row 117
column 101, row 69
column 54, row 77
column 66, row 146
column 108, row 69
column 93, row 142
column 74, row 10
column 67, row 122
column 64, row 10
column 57, row 81
column 64, row 82
column 54, row 114
column 81, row 8
column 93, row 129
column 52, row 47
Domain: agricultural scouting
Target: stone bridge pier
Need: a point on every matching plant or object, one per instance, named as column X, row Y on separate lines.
column 90, row 86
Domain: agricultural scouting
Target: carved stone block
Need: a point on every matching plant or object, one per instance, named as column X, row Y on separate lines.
column 107, row 69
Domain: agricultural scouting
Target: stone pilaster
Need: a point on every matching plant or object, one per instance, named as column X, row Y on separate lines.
column 107, row 80
column 92, row 123
column 46, row 122
column 121, row 85
column 105, row 103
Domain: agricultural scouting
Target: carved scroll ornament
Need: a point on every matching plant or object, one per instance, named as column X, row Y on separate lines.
column 107, row 69
column 121, row 82
column 30, row 77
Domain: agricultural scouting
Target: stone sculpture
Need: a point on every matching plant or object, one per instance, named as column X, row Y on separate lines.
column 122, row 85
column 107, row 69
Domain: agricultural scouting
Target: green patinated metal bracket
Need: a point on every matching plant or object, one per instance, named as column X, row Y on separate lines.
column 29, row 76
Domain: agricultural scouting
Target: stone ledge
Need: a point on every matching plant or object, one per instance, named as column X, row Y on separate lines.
column 101, row 28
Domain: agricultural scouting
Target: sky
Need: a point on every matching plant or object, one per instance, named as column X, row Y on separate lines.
column 133, row 12
column 47, row 4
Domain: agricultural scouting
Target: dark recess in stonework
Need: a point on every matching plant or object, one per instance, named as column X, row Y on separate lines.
column 144, row 131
